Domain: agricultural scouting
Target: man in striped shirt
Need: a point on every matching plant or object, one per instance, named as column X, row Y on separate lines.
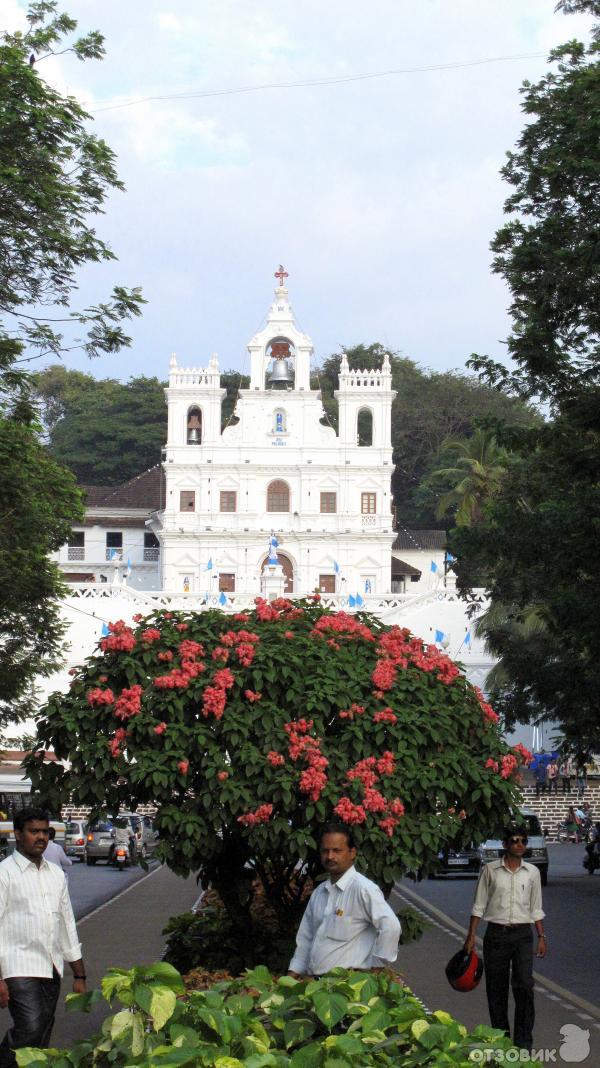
column 37, row 934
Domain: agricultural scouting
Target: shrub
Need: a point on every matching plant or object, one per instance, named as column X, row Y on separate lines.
column 248, row 731
column 347, row 1018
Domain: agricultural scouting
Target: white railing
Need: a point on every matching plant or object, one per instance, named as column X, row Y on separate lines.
column 236, row 602
column 151, row 552
column 75, row 552
column 114, row 554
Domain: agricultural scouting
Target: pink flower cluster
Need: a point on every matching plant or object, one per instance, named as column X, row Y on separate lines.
column 385, row 716
column 116, row 742
column 96, row 698
column 525, row 755
column 368, row 772
column 398, row 648
column 179, row 678
column 160, row 728
column 222, row 776
column 167, row 655
column 343, row 625
column 262, row 815
column 129, row 703
column 348, row 812
column 121, row 638
column 302, row 746
column 220, row 653
column 150, row 635
column 509, row 766
column 252, row 696
column 183, row 766
column 488, row 712
column 276, row 760
column 350, row 713
column 214, row 697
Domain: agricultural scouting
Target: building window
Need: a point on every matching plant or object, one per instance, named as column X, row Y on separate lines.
column 329, row 502
column 368, row 503
column 187, row 500
column 228, row 501
column 194, row 427
column 227, row 582
column 327, row 583
column 364, row 427
column 151, row 547
column 278, row 497
column 114, row 545
column 76, row 545
column 279, row 421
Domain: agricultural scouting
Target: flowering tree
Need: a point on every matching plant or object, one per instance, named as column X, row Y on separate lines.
column 249, row 731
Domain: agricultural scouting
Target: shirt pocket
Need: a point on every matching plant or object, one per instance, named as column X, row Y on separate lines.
column 344, row 928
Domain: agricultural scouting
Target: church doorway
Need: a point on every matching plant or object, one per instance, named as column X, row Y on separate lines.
column 288, row 571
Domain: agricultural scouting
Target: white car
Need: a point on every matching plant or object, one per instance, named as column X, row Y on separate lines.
column 536, row 852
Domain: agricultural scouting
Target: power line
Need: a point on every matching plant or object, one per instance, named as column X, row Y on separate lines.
column 316, row 82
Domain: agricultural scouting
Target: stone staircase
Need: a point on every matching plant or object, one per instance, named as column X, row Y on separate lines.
column 551, row 809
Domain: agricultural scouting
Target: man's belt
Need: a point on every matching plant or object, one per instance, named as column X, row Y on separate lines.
column 510, row 926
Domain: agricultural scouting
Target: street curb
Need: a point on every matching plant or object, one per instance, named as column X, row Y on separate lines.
column 549, row 984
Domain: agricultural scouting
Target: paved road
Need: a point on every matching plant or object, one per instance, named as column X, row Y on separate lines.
column 91, row 887
column 124, row 931
column 571, row 903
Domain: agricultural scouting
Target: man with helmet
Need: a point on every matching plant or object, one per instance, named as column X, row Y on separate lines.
column 509, row 897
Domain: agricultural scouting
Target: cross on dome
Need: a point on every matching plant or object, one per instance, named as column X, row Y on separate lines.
column 281, row 274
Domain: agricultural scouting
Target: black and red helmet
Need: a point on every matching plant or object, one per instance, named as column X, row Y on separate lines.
column 464, row 970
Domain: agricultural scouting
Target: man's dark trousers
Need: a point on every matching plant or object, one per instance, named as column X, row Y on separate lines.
column 32, row 1006
column 508, row 958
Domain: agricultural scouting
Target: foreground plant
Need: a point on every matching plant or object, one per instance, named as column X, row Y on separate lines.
column 347, row 1018
column 249, row 731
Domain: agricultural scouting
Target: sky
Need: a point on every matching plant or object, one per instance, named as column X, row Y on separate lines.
column 380, row 196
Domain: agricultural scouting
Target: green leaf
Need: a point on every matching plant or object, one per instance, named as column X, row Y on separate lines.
column 297, row 1030
column 83, row 1002
column 329, row 1007
column 27, row 1055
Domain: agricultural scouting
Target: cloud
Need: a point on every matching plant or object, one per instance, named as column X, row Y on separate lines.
column 380, row 196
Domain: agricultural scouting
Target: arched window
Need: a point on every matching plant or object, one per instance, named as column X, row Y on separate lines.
column 364, row 427
column 278, row 496
column 194, row 427
column 279, row 421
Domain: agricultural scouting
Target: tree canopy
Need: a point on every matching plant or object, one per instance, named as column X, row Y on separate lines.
column 249, row 731
column 536, row 548
column 54, row 175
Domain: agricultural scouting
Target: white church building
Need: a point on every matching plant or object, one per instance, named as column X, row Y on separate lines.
column 278, row 484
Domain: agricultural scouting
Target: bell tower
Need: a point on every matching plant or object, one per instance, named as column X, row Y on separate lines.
column 279, row 353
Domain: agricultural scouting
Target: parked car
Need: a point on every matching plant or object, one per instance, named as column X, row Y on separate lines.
column 75, row 839
column 100, row 837
column 462, row 861
column 536, row 852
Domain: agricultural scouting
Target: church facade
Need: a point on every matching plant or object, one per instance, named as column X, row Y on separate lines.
column 277, row 500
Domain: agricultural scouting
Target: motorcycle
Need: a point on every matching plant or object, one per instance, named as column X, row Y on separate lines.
column 121, row 858
column 591, row 861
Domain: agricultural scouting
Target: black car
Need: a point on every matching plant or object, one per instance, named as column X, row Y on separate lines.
column 463, row 861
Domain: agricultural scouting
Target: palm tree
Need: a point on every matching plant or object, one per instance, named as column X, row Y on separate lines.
column 474, row 477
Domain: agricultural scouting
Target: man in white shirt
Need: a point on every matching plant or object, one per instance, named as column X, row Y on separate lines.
column 347, row 922
column 509, row 897
column 37, row 934
column 55, row 853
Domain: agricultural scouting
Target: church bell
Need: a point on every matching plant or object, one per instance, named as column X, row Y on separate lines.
column 280, row 377
column 194, row 431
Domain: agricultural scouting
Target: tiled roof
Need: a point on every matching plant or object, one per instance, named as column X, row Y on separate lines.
column 94, row 494
column 420, row 539
column 399, row 568
column 145, row 491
